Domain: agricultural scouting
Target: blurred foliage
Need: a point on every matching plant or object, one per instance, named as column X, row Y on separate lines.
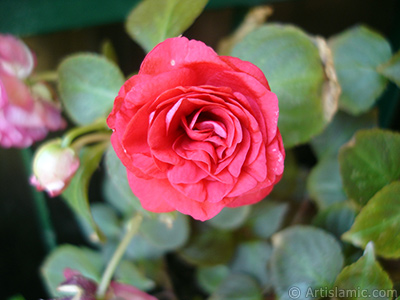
column 315, row 221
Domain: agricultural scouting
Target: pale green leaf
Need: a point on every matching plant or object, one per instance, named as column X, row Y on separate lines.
column 266, row 217
column 209, row 248
column 251, row 258
column 304, row 258
column 128, row 273
column 336, row 219
column 76, row 195
column 209, row 278
column 88, row 262
column 153, row 21
column 325, row 184
column 291, row 63
column 141, row 248
column 391, row 69
column 237, row 287
column 117, row 173
column 88, row 85
column 340, row 131
column 168, row 235
column 230, row 218
column 357, row 53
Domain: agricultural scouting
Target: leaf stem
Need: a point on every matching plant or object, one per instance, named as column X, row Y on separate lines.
column 45, row 76
column 75, row 132
column 88, row 139
column 132, row 228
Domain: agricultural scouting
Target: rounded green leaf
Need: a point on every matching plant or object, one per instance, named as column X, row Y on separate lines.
column 107, row 220
column 304, row 258
column 128, row 273
column 141, row 249
column 153, row 21
column 340, row 131
column 209, row 278
column 251, row 258
column 325, row 184
column 365, row 279
column 291, row 62
column 369, row 162
column 357, row 53
column 230, row 218
column 379, row 222
column 116, row 172
column 209, row 248
column 237, row 287
column 88, row 262
column 391, row 69
column 266, row 217
column 166, row 235
column 336, row 219
column 88, row 85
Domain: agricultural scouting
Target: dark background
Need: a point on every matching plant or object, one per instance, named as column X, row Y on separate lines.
column 22, row 248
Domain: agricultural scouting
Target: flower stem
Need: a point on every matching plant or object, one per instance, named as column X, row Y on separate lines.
column 47, row 231
column 88, row 139
column 45, row 76
column 74, row 133
column 132, row 228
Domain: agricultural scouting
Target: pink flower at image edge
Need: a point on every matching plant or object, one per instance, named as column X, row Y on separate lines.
column 197, row 132
column 25, row 117
column 75, row 281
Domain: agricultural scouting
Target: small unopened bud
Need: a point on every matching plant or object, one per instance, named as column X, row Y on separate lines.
column 53, row 168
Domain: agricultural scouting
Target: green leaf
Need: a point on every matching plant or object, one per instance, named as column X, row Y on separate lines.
column 153, row 21
column 292, row 185
column 291, row 62
column 357, row 53
column 391, row 69
column 141, row 248
column 266, row 217
column 379, row 221
column 230, row 218
column 128, row 273
column 116, row 171
column 168, row 235
column 209, row 248
column 340, row 131
column 115, row 198
column 107, row 220
column 88, row 85
column 304, row 257
column 336, row 219
column 76, row 195
column 251, row 258
column 369, row 162
column 237, row 287
column 209, row 278
column 325, row 184
column 86, row 261
column 366, row 277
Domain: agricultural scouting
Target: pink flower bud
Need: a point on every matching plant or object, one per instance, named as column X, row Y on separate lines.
column 15, row 57
column 53, row 168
